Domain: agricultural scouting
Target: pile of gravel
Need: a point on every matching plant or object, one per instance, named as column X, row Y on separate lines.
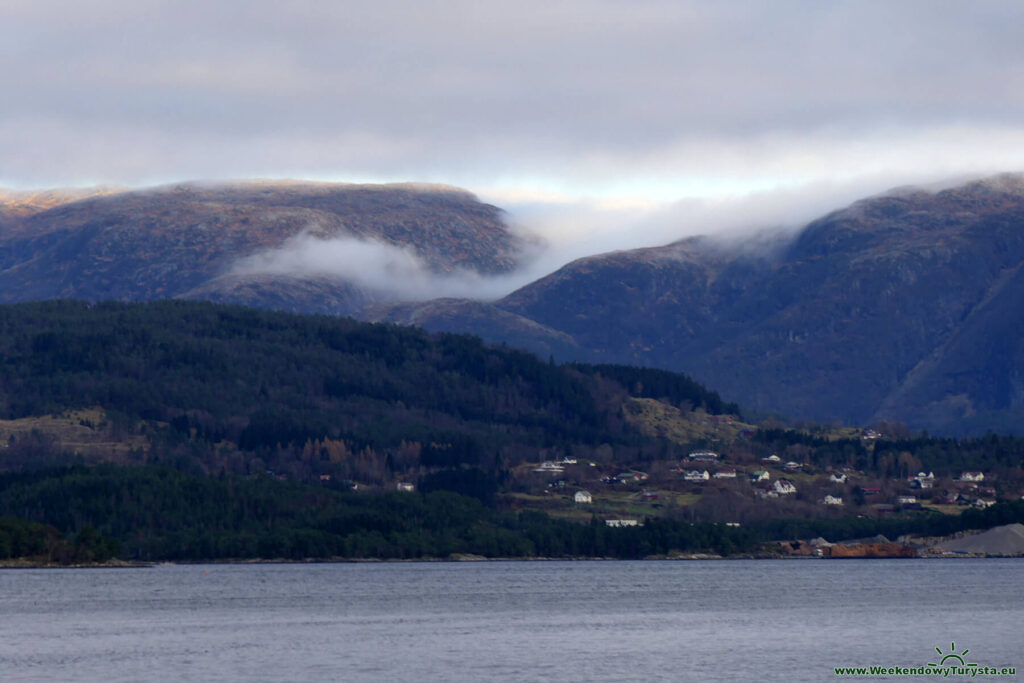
column 1001, row 540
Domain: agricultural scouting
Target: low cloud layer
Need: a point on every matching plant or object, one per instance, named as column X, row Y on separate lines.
column 573, row 229
column 390, row 272
column 564, row 230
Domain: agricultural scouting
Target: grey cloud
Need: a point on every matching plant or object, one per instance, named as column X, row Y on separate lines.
column 575, row 229
column 386, row 271
column 482, row 93
column 567, row 231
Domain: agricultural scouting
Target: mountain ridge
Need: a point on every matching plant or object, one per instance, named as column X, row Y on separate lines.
column 901, row 306
column 170, row 241
column 827, row 328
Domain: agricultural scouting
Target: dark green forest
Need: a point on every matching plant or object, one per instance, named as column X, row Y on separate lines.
column 892, row 458
column 244, row 434
column 307, row 376
column 155, row 513
column 310, row 394
column 935, row 524
column 22, row 538
column 671, row 387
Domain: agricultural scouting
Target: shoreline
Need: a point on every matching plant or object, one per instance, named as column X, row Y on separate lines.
column 124, row 564
column 24, row 563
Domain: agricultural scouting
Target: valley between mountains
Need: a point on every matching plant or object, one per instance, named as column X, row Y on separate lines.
column 900, row 307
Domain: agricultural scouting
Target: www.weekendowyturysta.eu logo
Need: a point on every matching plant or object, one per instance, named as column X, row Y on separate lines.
column 946, row 664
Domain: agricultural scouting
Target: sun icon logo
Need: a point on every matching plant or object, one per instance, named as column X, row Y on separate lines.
column 958, row 657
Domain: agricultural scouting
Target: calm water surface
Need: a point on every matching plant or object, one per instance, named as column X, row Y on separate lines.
column 506, row 621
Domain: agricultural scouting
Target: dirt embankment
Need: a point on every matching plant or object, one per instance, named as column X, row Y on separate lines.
column 870, row 550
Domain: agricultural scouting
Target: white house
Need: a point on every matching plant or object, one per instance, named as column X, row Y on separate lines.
column 772, row 459
column 582, row 497
column 922, row 480
column 838, row 478
column 972, row 476
column 696, row 475
column 725, row 474
column 792, row 466
column 404, row 486
column 760, row 475
column 905, row 500
column 548, row 467
column 621, row 522
column 784, row 487
column 832, row 500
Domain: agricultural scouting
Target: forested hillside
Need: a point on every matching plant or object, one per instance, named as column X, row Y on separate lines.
column 245, row 390
column 189, row 430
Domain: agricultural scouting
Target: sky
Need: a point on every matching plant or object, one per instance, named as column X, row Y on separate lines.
column 596, row 124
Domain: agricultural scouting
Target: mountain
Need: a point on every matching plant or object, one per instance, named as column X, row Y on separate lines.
column 905, row 306
column 188, row 241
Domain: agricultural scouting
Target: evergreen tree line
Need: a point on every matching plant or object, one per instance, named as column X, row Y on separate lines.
column 156, row 513
column 267, row 380
column 20, row 538
column 658, row 384
column 930, row 524
column 949, row 457
column 893, row 458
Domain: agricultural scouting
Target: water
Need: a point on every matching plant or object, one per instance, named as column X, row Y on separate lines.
column 506, row 621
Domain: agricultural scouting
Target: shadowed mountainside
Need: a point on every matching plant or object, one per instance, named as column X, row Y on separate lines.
column 905, row 306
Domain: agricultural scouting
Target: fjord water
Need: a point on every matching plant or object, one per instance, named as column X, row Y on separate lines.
column 506, row 621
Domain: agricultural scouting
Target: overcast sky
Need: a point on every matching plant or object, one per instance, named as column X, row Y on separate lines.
column 615, row 105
